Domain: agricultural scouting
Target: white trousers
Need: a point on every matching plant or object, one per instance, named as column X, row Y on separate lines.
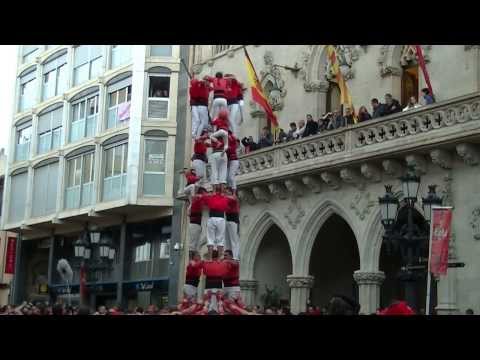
column 217, row 105
column 190, row 292
column 232, row 292
column 233, row 238
column 195, row 234
column 233, row 166
column 219, row 165
column 216, row 231
column 200, row 169
column 199, row 120
column 234, row 110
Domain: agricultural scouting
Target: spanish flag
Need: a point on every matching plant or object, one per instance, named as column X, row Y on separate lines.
column 345, row 97
column 257, row 92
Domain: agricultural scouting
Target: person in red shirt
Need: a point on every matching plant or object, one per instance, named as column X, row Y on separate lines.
column 214, row 271
column 233, row 163
column 232, row 224
column 192, row 179
column 199, row 92
column 195, row 225
column 233, row 93
column 199, row 157
column 192, row 278
column 220, row 87
column 219, row 144
column 231, row 279
column 217, row 204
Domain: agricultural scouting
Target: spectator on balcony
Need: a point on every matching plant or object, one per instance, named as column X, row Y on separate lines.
column 349, row 117
column 427, row 96
column 323, row 122
column 392, row 105
column 249, row 144
column 301, row 129
column 336, row 121
column 311, row 127
column 379, row 109
column 291, row 132
column 363, row 114
column 265, row 138
column 282, row 137
column 412, row 104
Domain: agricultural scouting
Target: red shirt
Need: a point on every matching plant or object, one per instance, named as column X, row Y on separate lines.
column 232, row 147
column 199, row 91
column 191, row 179
column 194, row 270
column 220, row 85
column 217, row 202
column 214, row 269
column 232, row 274
column 218, row 145
column 200, row 147
column 233, row 206
column 232, row 90
column 220, row 123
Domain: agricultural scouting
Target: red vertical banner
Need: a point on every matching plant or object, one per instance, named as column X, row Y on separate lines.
column 439, row 238
column 423, row 66
column 10, row 256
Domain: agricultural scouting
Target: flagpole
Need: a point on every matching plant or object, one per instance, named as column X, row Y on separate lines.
column 429, row 274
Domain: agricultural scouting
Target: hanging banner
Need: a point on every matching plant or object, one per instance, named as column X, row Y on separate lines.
column 124, row 111
column 440, row 231
column 10, row 256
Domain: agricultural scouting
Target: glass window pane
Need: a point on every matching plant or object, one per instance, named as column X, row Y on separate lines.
column 122, row 95
column 71, row 173
column 82, row 110
column 161, row 50
column 91, row 126
column 108, row 162
column 80, row 74
column 155, row 155
column 24, row 135
column 87, row 167
column 153, row 184
column 61, row 79
column 96, row 68
column 91, row 106
column 77, row 130
column 112, row 99
column 95, row 51
column 78, row 171
column 117, row 165
column 81, row 55
column 57, row 138
column 129, row 93
column 75, row 112
column 125, row 158
column 112, row 118
column 44, row 142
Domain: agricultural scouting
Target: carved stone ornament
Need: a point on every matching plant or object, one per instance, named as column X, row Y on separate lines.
column 469, row 153
column 442, row 158
column 362, row 204
column 331, row 180
column 294, row 213
column 300, row 281
column 369, row 277
column 294, row 187
column 278, row 190
column 371, row 172
column 317, row 85
column 246, row 195
column 447, row 193
column 390, row 64
column 352, row 177
column 248, row 284
column 261, row 194
column 393, row 167
column 346, row 55
column 272, row 82
column 418, row 162
column 475, row 223
column 312, row 183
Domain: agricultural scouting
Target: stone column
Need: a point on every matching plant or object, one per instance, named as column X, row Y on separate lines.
column 300, row 292
column 369, row 283
column 249, row 290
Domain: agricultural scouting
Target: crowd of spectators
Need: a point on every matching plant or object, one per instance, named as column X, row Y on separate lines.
column 333, row 120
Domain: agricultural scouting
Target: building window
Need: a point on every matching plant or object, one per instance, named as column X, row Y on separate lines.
column 165, row 249
column 121, row 54
column 79, row 185
column 88, row 63
column 27, row 90
column 54, row 77
column 154, row 167
column 158, row 96
column 220, row 48
column 119, row 107
column 45, row 181
column 29, row 52
column 115, row 173
column 50, row 130
column 84, row 118
column 23, row 139
column 18, row 197
column 161, row 50
column 143, row 252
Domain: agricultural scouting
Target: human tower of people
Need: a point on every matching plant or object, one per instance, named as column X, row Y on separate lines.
column 214, row 132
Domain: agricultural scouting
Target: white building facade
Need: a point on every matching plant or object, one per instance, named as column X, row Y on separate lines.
column 92, row 148
column 310, row 219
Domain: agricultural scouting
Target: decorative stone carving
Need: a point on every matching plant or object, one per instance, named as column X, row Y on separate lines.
column 331, row 180
column 300, row 281
column 197, row 68
column 442, row 158
column 317, row 85
column 475, row 223
column 312, row 183
column 272, row 82
column 390, row 65
column 231, row 53
column 418, row 162
column 210, row 62
column 447, row 193
column 369, row 277
column 371, row 172
column 278, row 190
column 294, row 187
column 393, row 167
column 469, row 153
column 351, row 176
column 362, row 204
column 452, row 253
column 260, row 194
column 248, row 284
column 294, row 213
column 346, row 55
column 246, row 195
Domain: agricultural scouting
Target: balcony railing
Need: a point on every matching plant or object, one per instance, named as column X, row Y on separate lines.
column 443, row 122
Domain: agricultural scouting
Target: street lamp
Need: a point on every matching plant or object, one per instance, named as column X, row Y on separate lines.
column 410, row 186
column 430, row 201
column 81, row 246
column 388, row 207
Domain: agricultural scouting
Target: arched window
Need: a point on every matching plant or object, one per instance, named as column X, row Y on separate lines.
column 79, row 178
column 120, row 55
column 54, row 79
column 27, row 88
column 333, row 97
column 158, row 92
column 119, row 91
column 23, row 138
column 29, row 52
column 88, row 63
column 115, row 169
column 18, row 195
column 155, row 155
column 45, row 181
column 49, row 128
column 84, row 114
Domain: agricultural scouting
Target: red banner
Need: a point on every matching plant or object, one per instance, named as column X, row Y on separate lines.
column 439, row 239
column 423, row 66
column 10, row 258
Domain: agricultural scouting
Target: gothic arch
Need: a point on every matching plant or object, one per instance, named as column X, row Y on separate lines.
column 306, row 239
column 372, row 243
column 315, row 73
column 255, row 235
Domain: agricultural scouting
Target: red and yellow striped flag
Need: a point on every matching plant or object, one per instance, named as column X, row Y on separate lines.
column 257, row 91
column 345, row 96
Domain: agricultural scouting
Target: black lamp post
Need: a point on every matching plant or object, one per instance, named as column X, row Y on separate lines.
column 408, row 234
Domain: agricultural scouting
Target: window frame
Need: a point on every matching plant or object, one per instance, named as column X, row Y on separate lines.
column 124, row 165
column 160, row 56
column 56, row 72
column 167, row 99
column 124, row 62
column 115, row 107
column 51, row 132
column 23, row 85
column 142, row 254
column 84, row 100
column 89, row 61
column 73, row 160
column 164, row 173
column 18, row 129
column 26, row 55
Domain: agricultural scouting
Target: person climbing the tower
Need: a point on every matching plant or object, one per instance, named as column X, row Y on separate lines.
column 192, row 278
column 214, row 271
column 199, row 92
column 231, row 279
column 199, row 157
column 233, row 223
column 233, row 163
column 195, row 225
column 219, row 144
column 233, row 94
column 217, row 204
column 220, row 87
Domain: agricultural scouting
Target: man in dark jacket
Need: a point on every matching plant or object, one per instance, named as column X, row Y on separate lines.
column 249, row 144
column 291, row 132
column 265, row 138
column 378, row 109
column 392, row 105
column 282, row 137
column 311, row 128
